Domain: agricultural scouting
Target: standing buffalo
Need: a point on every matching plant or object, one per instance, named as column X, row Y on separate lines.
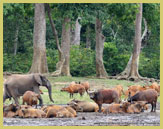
column 16, row 85
column 150, row 96
column 104, row 96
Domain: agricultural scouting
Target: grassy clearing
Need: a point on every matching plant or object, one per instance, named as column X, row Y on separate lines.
column 63, row 97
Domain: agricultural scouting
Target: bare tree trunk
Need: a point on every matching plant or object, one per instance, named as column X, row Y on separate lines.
column 65, row 46
column 39, row 63
column 100, row 38
column 76, row 38
column 88, row 40
column 16, row 40
column 134, row 74
column 61, row 61
column 131, row 70
column 126, row 72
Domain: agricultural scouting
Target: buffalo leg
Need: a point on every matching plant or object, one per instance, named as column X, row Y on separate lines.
column 70, row 95
column 99, row 105
column 152, row 107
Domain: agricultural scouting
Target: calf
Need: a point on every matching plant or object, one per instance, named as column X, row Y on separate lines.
column 134, row 89
column 74, row 88
column 104, row 96
column 30, row 98
column 150, row 96
column 155, row 86
column 136, row 107
column 119, row 90
column 33, row 113
column 19, row 112
column 61, row 112
column 113, row 108
column 86, row 86
column 53, row 107
column 64, row 113
column 83, row 106
column 10, row 110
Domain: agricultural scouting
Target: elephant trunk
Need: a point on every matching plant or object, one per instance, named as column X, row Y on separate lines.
column 49, row 87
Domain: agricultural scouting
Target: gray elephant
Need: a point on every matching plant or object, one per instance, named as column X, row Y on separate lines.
column 16, row 85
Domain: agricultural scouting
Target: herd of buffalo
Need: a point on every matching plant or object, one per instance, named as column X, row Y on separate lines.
column 136, row 98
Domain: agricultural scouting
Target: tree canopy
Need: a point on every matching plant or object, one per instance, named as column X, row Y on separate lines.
column 118, row 27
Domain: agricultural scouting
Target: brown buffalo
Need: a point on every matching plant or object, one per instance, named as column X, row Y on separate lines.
column 104, row 96
column 119, row 90
column 83, row 106
column 64, row 113
column 134, row 89
column 54, row 107
column 30, row 98
column 155, row 86
column 33, row 113
column 86, row 86
column 19, row 112
column 150, row 96
column 10, row 110
column 136, row 107
column 61, row 112
column 74, row 88
column 113, row 108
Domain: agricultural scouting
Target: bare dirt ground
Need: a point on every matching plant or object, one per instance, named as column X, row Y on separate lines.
column 92, row 119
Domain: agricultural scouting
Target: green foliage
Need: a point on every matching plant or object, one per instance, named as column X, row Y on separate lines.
column 82, row 61
column 114, row 61
column 149, row 67
column 52, row 59
column 118, row 28
column 19, row 63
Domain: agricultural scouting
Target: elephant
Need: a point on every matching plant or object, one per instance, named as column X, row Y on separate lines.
column 16, row 85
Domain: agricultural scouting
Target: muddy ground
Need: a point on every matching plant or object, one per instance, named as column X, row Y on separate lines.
column 92, row 119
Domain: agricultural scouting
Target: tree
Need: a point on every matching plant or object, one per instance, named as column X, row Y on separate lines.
column 76, row 33
column 100, row 38
column 88, row 37
column 131, row 71
column 39, row 64
column 61, row 61
column 65, row 46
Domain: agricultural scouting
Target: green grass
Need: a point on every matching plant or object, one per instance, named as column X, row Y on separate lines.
column 63, row 97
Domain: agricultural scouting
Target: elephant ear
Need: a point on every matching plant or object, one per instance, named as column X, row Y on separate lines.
column 38, row 79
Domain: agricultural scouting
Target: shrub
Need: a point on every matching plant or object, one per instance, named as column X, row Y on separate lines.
column 149, row 67
column 82, row 61
column 114, row 62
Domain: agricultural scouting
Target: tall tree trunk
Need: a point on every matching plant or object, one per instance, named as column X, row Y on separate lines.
column 61, row 61
column 76, row 35
column 65, row 46
column 126, row 72
column 88, row 39
column 16, row 40
column 39, row 63
column 134, row 74
column 100, row 38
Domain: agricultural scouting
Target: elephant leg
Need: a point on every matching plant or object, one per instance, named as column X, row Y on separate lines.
column 15, row 95
column 40, row 101
column 37, row 91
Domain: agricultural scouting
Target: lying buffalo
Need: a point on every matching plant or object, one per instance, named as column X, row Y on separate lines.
column 83, row 106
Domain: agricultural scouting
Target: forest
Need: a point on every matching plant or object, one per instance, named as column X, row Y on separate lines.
column 82, row 40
